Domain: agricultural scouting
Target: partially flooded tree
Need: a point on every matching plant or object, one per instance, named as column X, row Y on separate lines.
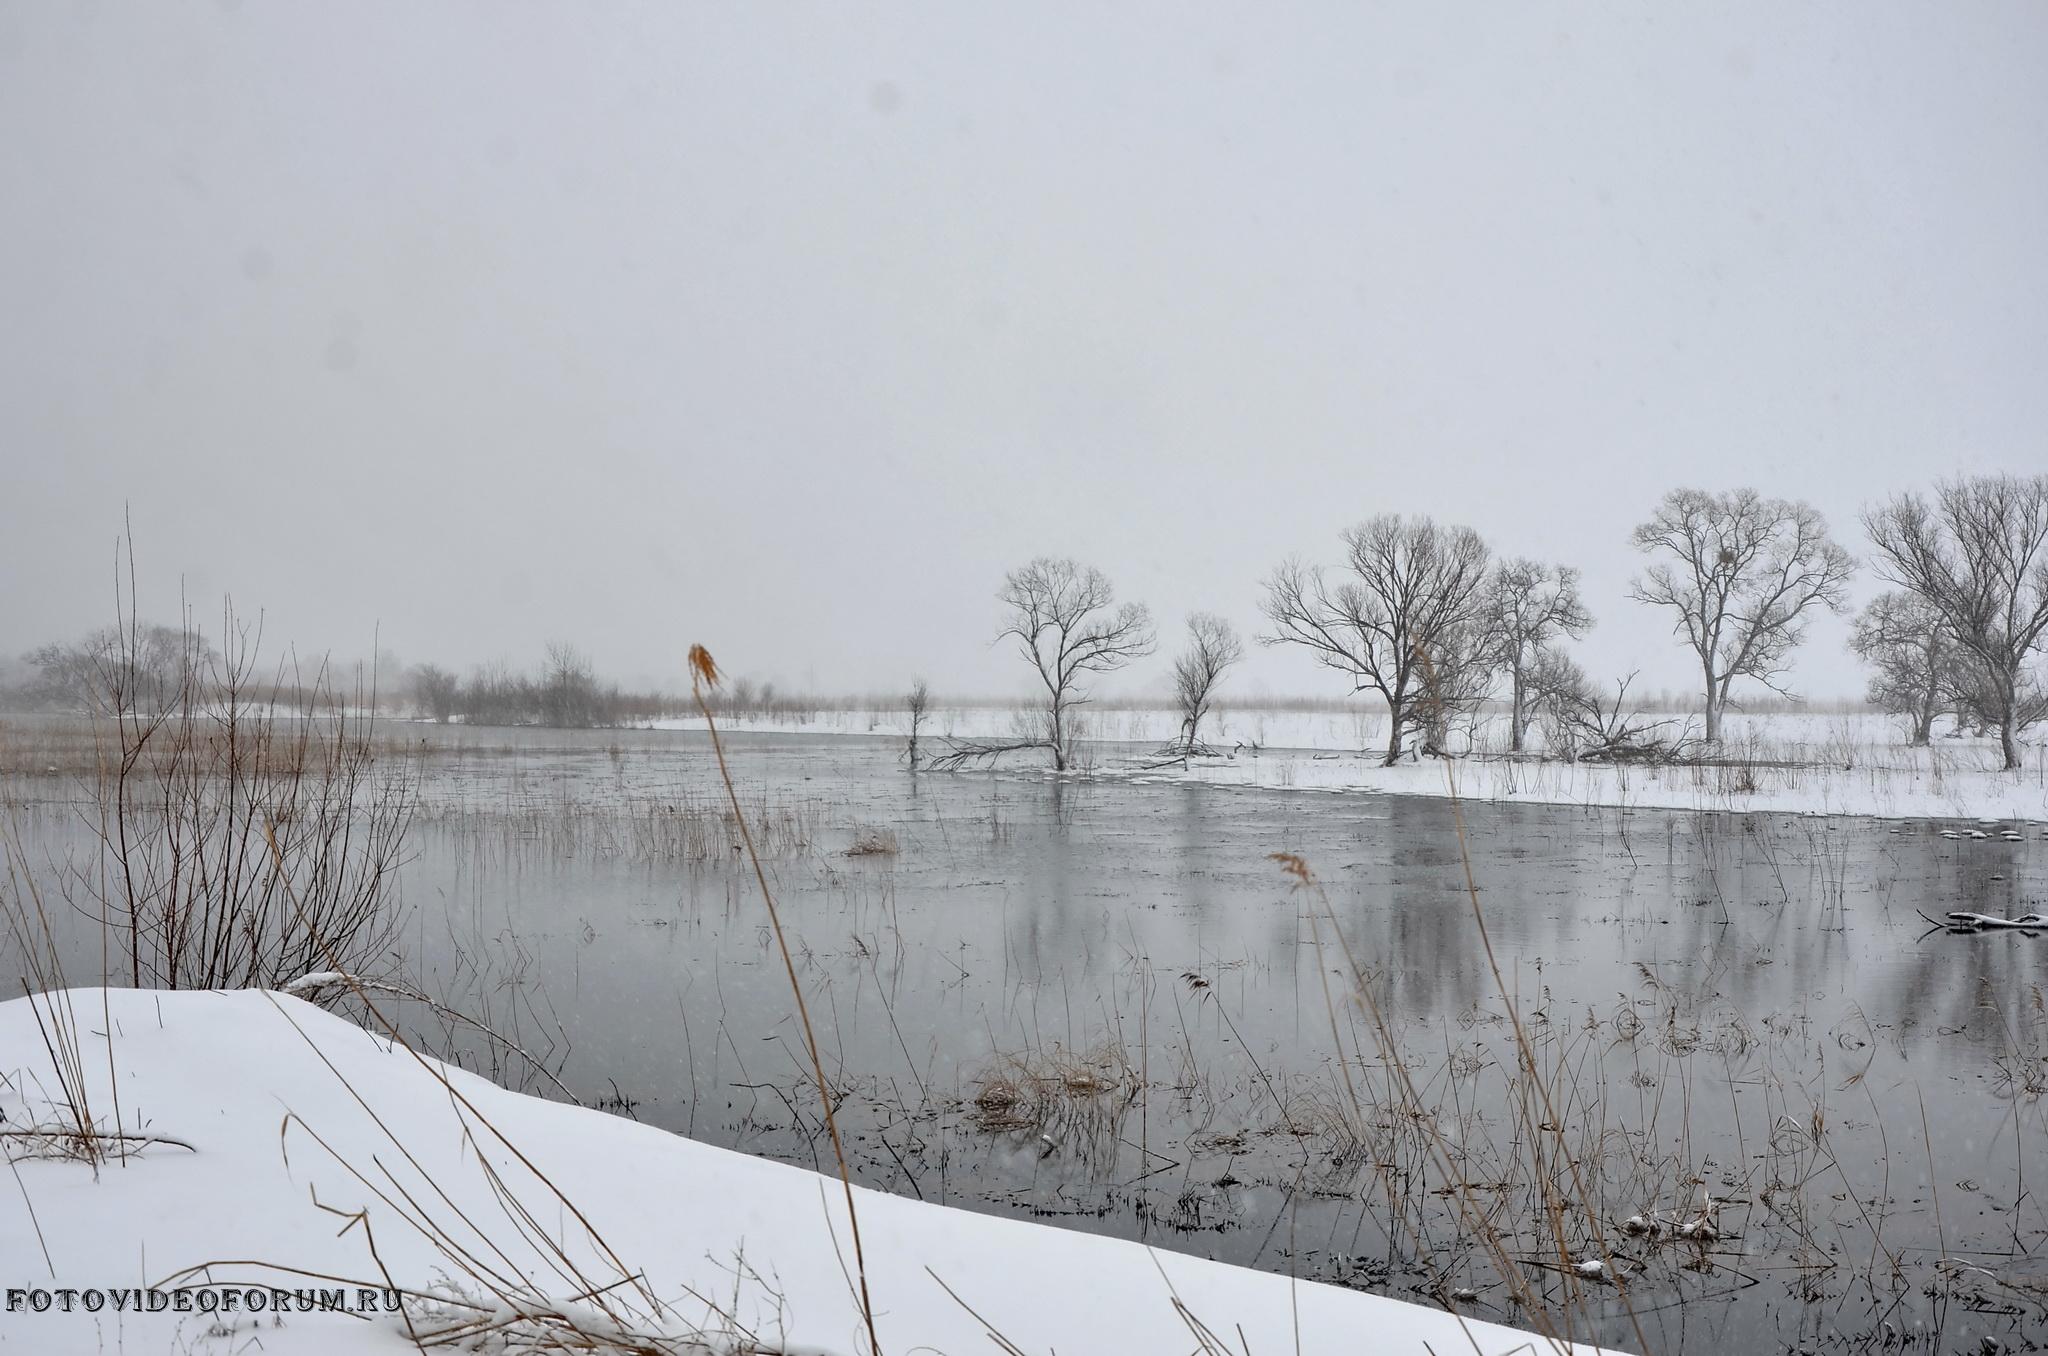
column 1742, row 572
column 1410, row 588
column 918, row 701
column 1918, row 672
column 435, row 692
column 1978, row 556
column 1213, row 647
column 1068, row 626
column 1527, row 606
column 568, row 688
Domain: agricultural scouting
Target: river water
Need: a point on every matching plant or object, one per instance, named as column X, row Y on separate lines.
column 1103, row 1003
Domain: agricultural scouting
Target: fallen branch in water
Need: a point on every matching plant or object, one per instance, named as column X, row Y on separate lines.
column 962, row 752
column 1962, row 920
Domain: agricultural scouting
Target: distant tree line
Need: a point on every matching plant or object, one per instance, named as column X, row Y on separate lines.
column 155, row 667
column 565, row 692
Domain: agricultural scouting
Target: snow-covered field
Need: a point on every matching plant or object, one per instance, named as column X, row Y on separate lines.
column 1806, row 764
column 280, row 1122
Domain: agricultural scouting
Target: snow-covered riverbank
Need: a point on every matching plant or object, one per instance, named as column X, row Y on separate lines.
column 277, row 1122
column 1857, row 764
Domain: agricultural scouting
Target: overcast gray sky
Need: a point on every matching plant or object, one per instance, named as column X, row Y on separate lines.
column 790, row 328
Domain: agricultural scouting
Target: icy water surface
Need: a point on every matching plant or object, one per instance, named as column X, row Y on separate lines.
column 1103, row 1004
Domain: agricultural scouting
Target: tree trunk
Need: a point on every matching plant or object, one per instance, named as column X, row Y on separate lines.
column 1716, row 694
column 1517, row 721
column 1394, row 714
column 1923, row 726
column 1059, row 738
column 2007, row 687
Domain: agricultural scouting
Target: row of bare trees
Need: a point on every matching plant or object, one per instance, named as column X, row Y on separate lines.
column 1740, row 573
column 1421, row 615
column 1971, row 614
column 564, row 694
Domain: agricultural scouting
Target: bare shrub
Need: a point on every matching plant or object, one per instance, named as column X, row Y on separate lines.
column 918, row 702
column 186, row 793
column 1213, row 647
column 1580, row 725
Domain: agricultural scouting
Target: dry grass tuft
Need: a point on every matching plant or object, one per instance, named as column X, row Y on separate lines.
column 873, row 841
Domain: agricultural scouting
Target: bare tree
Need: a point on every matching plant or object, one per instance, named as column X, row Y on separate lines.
column 1526, row 607
column 1919, row 673
column 1743, row 571
column 1064, row 618
column 1213, row 647
column 568, row 688
column 1979, row 557
column 919, row 703
column 435, row 691
column 131, row 665
column 1413, row 589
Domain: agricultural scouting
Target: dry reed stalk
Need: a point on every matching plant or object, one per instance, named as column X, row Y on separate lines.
column 507, row 1289
column 57, row 1023
column 1551, row 1122
column 703, row 676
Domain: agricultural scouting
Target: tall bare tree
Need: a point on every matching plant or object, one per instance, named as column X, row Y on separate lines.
column 1213, row 647
column 1918, row 673
column 1067, row 624
column 1525, row 608
column 1406, row 605
column 1742, row 572
column 1979, row 557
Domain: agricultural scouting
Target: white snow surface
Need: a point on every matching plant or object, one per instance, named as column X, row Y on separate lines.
column 1844, row 764
column 254, row 1082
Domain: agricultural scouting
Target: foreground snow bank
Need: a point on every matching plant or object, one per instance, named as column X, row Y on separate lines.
column 280, row 1122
